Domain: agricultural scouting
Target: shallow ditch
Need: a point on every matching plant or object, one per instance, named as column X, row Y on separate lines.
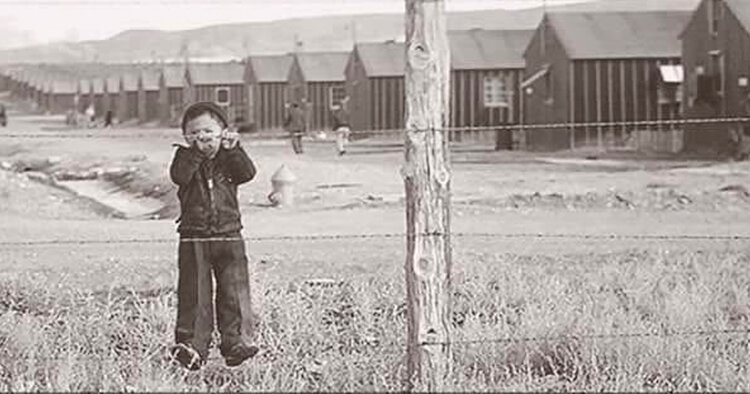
column 98, row 186
column 128, row 205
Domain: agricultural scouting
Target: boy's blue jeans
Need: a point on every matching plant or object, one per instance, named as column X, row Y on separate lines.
column 195, row 299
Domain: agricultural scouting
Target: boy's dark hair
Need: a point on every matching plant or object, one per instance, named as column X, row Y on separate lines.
column 204, row 107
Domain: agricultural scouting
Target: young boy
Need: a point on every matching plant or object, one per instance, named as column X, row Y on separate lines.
column 207, row 173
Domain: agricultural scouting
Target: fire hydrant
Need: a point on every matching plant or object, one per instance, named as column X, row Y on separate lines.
column 282, row 183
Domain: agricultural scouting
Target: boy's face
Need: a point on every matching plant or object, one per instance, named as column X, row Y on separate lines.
column 204, row 133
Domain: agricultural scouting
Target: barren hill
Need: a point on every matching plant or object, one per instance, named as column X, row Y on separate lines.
column 334, row 33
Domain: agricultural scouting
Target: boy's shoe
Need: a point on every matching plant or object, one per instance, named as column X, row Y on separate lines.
column 239, row 354
column 187, row 356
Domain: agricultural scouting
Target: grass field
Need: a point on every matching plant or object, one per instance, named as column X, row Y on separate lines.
column 528, row 314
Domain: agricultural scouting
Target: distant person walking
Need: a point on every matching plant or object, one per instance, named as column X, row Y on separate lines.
column 341, row 125
column 296, row 126
column 108, row 119
column 90, row 116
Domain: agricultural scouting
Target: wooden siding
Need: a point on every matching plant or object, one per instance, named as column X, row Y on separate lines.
column 46, row 101
column 616, row 90
column 732, row 42
column 122, row 103
column 696, row 44
column 152, row 105
column 467, row 102
column 163, row 103
column 60, row 103
column 378, row 103
column 359, row 90
column 236, row 106
column 543, row 107
column 593, row 91
column 110, row 102
column 319, row 108
column 132, row 105
column 98, row 104
column 269, row 105
column 313, row 96
column 148, row 105
column 170, row 105
column 736, row 50
column 297, row 89
column 387, row 103
column 83, row 101
column 127, row 106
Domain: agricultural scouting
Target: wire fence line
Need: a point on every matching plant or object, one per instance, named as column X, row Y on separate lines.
column 160, row 352
column 115, row 133
column 330, row 237
column 400, row 345
column 668, row 334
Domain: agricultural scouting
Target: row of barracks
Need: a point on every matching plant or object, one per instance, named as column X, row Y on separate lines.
column 595, row 67
column 632, row 67
column 486, row 65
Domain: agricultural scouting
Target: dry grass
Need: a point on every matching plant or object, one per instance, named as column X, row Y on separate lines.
column 349, row 336
column 63, row 329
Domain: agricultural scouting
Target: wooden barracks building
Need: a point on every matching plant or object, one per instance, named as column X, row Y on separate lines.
column 486, row 71
column 601, row 67
column 171, row 94
column 266, row 78
column 716, row 58
column 487, row 68
column 316, row 80
column 375, row 85
column 222, row 83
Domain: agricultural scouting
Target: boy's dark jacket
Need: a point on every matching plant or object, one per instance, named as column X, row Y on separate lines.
column 207, row 189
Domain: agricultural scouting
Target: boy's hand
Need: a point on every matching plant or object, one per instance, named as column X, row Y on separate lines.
column 190, row 139
column 230, row 139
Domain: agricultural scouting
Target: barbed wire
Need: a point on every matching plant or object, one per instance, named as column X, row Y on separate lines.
column 164, row 133
column 683, row 334
column 161, row 351
column 333, row 237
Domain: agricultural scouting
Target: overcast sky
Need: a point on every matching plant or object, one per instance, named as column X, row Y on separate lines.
column 43, row 21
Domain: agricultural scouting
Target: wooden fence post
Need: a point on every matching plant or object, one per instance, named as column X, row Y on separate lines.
column 426, row 175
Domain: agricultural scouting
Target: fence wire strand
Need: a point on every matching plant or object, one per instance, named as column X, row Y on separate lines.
column 160, row 132
column 681, row 334
column 334, row 237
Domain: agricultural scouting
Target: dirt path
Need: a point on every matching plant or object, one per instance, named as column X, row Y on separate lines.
column 512, row 191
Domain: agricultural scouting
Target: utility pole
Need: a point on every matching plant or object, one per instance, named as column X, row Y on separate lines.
column 297, row 44
column 427, row 176
column 543, row 34
column 354, row 32
column 187, row 91
column 245, row 47
column 249, row 109
column 185, row 51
